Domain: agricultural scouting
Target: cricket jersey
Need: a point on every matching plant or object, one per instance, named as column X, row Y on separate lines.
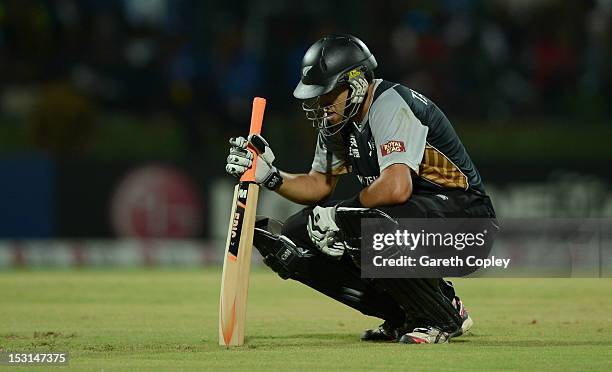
column 402, row 126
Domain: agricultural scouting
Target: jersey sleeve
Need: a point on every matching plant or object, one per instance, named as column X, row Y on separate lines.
column 329, row 157
column 399, row 135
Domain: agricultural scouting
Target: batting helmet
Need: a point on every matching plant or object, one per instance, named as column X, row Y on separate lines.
column 327, row 63
column 334, row 61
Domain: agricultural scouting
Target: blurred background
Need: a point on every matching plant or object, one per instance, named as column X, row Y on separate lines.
column 115, row 114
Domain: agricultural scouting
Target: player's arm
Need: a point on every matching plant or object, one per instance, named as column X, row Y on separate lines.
column 307, row 189
column 400, row 139
column 393, row 187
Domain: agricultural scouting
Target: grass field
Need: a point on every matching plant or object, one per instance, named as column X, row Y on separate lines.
column 167, row 320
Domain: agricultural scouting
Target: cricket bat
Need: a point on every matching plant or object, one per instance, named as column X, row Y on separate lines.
column 238, row 247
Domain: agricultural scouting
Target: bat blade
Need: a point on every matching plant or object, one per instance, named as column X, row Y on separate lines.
column 236, row 268
column 238, row 249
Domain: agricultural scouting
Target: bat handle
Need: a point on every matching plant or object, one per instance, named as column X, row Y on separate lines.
column 259, row 106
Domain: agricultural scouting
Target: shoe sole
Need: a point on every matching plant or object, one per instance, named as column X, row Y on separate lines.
column 408, row 339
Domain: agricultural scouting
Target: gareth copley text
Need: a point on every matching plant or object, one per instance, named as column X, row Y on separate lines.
column 426, row 261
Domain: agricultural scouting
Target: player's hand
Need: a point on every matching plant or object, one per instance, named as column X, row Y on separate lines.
column 323, row 231
column 240, row 159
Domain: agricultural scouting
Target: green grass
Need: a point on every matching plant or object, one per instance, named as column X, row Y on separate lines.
column 167, row 320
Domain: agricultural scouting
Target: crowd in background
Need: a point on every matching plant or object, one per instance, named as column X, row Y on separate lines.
column 64, row 63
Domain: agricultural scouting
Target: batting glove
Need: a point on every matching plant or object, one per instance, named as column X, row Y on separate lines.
column 240, row 159
column 323, row 230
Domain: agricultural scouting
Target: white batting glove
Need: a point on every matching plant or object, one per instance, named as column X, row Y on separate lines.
column 322, row 230
column 240, row 159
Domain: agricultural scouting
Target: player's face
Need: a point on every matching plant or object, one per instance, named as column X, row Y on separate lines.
column 334, row 104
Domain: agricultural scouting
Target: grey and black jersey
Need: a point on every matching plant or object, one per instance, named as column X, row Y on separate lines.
column 401, row 127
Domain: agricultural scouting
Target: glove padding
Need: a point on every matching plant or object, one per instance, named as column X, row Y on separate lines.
column 323, row 231
column 240, row 159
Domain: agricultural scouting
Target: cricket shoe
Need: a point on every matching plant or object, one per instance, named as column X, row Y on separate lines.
column 433, row 335
column 384, row 333
column 425, row 335
column 467, row 321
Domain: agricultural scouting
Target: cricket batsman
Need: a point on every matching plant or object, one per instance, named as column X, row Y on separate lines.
column 410, row 163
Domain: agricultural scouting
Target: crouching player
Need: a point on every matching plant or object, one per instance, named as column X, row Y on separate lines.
column 410, row 163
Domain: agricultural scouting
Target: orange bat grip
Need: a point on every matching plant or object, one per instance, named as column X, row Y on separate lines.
column 259, row 106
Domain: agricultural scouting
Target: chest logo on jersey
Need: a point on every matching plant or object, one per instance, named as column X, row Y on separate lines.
column 391, row 147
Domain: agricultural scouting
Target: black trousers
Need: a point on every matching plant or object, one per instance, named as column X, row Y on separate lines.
column 406, row 303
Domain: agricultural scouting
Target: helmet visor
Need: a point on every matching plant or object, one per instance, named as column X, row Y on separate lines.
column 309, row 91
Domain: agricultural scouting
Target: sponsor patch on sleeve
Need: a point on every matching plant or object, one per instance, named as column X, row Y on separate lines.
column 391, row 147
